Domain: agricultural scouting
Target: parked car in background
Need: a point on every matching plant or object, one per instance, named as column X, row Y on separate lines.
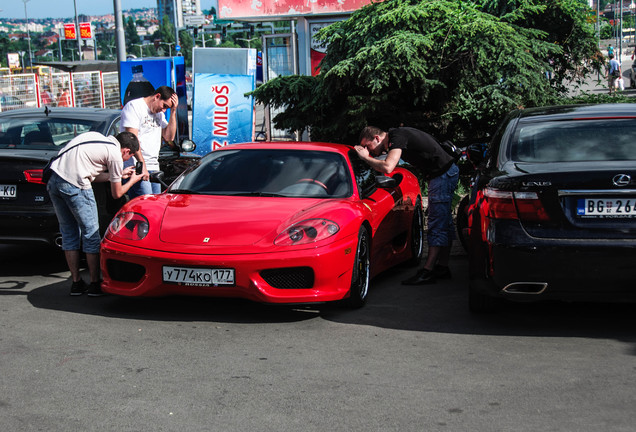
column 8, row 103
column 553, row 212
column 276, row 222
column 28, row 139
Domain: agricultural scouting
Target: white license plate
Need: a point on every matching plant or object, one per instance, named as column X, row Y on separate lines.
column 198, row 276
column 8, row 191
column 606, row 207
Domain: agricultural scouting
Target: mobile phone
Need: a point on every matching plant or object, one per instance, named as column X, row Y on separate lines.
column 139, row 167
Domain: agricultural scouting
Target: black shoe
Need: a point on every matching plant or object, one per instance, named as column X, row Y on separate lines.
column 95, row 289
column 442, row 272
column 78, row 288
column 422, row 277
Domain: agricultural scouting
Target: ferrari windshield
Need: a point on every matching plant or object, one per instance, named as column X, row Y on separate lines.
column 609, row 139
column 268, row 172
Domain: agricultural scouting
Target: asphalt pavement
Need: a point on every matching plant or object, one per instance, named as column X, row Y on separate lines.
column 413, row 359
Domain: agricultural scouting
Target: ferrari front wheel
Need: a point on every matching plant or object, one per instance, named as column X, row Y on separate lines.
column 361, row 271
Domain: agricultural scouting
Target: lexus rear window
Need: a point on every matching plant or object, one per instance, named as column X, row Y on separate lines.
column 575, row 140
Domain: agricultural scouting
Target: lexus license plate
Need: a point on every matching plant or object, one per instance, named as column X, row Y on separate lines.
column 606, row 207
column 8, row 191
column 198, row 276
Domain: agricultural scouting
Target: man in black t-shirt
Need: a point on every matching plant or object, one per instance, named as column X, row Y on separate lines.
column 424, row 152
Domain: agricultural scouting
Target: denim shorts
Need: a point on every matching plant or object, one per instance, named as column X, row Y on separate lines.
column 142, row 187
column 76, row 212
column 441, row 229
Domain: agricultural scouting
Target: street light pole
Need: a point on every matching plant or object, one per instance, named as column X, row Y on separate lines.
column 176, row 23
column 77, row 33
column 28, row 34
column 632, row 6
column 141, row 53
column 620, row 49
column 169, row 47
column 247, row 40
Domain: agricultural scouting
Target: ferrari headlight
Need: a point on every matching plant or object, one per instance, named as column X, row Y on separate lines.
column 129, row 225
column 307, row 231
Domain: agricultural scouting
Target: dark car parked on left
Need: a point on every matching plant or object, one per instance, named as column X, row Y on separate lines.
column 28, row 139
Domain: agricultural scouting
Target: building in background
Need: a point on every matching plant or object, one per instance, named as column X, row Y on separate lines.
column 185, row 9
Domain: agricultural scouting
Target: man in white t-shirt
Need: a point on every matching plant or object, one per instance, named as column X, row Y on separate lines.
column 145, row 118
column 87, row 158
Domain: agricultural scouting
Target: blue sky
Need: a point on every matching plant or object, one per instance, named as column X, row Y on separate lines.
column 66, row 9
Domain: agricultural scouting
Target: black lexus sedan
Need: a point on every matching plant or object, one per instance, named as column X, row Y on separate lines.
column 553, row 210
column 28, row 139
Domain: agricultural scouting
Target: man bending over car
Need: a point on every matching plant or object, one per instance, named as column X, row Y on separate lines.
column 87, row 158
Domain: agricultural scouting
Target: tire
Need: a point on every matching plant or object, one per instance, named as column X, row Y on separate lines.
column 417, row 236
column 360, row 277
column 461, row 221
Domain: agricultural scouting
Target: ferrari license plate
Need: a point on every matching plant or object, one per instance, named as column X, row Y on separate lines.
column 606, row 207
column 8, row 191
column 198, row 276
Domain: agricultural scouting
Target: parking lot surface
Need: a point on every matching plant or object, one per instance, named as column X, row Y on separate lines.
column 413, row 359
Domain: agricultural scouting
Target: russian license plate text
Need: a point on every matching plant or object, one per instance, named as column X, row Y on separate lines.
column 198, row 276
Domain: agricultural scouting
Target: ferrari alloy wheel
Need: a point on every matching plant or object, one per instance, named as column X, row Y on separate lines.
column 417, row 235
column 360, row 278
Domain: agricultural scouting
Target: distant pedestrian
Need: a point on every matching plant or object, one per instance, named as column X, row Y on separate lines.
column 610, row 51
column 46, row 98
column 613, row 73
column 64, row 99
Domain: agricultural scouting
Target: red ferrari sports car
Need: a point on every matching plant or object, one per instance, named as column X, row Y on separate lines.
column 271, row 222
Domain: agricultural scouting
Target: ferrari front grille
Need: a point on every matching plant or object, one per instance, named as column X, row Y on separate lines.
column 123, row 271
column 289, row 278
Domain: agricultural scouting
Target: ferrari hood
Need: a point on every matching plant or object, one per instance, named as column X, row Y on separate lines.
column 230, row 221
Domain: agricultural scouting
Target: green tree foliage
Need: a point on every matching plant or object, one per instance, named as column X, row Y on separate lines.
column 165, row 33
column 186, row 43
column 453, row 68
column 130, row 31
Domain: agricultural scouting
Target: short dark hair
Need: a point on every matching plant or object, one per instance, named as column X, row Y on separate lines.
column 165, row 92
column 369, row 132
column 128, row 140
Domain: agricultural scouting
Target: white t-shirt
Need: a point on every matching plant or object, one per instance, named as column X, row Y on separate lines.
column 82, row 164
column 137, row 115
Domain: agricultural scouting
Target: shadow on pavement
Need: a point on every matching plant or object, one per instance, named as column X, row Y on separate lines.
column 175, row 308
column 443, row 308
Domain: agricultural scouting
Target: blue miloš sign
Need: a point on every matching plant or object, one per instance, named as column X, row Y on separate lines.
column 222, row 114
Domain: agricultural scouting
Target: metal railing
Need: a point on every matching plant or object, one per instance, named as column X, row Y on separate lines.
column 74, row 89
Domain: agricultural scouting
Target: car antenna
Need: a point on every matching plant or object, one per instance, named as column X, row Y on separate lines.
column 46, row 111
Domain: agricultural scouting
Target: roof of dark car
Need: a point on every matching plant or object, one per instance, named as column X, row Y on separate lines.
column 62, row 112
column 563, row 112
